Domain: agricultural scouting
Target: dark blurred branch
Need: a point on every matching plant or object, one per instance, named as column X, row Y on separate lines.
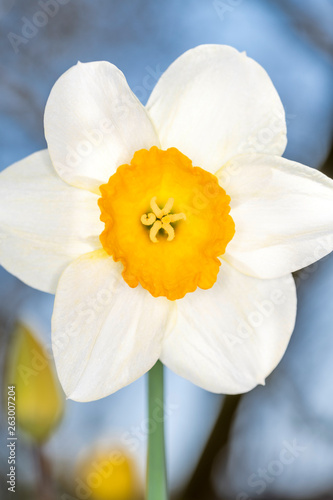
column 200, row 485
column 45, row 484
column 305, row 24
column 327, row 167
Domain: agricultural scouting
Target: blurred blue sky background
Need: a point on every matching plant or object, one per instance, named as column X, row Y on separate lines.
column 293, row 40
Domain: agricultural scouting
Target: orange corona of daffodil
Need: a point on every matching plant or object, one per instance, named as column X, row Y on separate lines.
column 190, row 237
column 168, row 231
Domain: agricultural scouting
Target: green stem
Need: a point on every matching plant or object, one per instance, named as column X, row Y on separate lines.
column 156, row 469
column 45, row 485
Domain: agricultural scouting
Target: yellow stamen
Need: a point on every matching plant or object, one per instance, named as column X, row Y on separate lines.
column 173, row 218
column 161, row 219
column 158, row 211
column 154, row 230
column 169, row 230
column 148, row 219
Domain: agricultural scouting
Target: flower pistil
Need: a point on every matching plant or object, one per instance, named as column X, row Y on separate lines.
column 161, row 219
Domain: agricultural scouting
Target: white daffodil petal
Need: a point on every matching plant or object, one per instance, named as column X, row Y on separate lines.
column 94, row 123
column 44, row 223
column 213, row 103
column 229, row 339
column 105, row 334
column 283, row 213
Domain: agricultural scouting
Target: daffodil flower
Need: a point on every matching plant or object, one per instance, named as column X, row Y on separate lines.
column 39, row 402
column 107, row 475
column 168, row 231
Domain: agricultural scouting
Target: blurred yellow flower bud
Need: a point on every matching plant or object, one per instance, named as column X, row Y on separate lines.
column 39, row 400
column 108, row 475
